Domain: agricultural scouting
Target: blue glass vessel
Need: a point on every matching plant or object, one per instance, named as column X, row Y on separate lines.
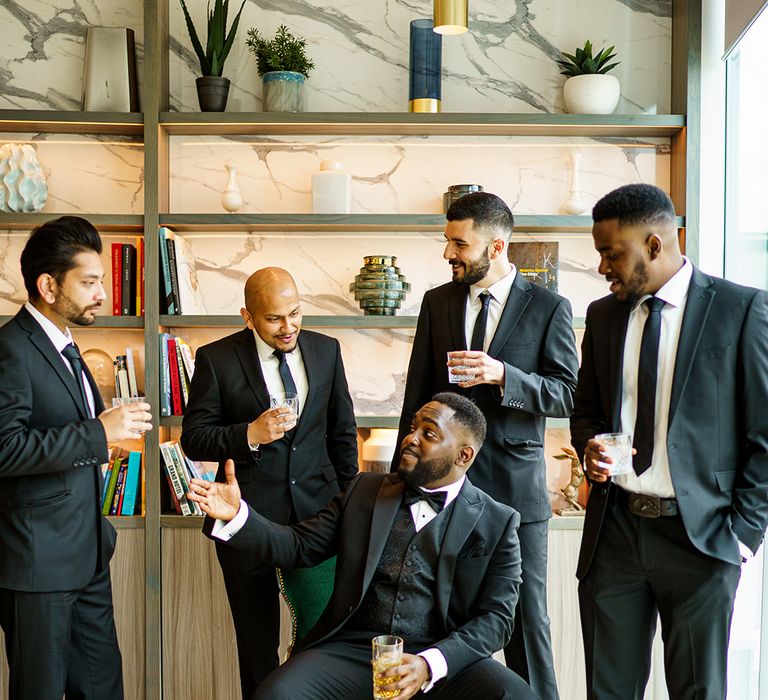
column 425, row 67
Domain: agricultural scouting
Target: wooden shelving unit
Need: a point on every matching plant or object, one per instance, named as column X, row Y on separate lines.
column 151, row 542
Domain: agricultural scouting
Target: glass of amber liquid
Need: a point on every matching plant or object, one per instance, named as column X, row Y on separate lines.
column 387, row 652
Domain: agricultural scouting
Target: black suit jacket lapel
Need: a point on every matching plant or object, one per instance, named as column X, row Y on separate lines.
column 384, row 510
column 457, row 305
column 45, row 347
column 519, row 297
column 310, row 359
column 617, row 335
column 466, row 511
column 245, row 347
column 700, row 296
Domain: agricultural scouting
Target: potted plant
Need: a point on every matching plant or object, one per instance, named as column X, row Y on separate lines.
column 212, row 89
column 283, row 65
column 589, row 90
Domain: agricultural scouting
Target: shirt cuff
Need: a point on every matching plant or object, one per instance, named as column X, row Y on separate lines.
column 437, row 667
column 746, row 552
column 224, row 530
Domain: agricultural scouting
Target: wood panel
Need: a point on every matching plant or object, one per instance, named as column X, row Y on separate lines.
column 127, row 570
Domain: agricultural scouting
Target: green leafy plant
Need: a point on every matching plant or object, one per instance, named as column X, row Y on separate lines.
column 219, row 42
column 284, row 52
column 582, row 62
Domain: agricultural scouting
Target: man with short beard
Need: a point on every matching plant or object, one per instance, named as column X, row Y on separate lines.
column 513, row 343
column 55, row 545
column 422, row 554
column 678, row 359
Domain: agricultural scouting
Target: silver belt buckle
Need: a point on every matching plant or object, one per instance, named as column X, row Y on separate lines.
column 645, row 506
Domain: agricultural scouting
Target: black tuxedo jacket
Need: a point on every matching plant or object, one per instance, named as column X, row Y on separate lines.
column 52, row 534
column 478, row 569
column 299, row 474
column 535, row 341
column 718, row 419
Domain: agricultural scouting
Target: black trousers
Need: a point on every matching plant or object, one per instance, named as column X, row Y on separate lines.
column 529, row 651
column 646, row 568
column 62, row 643
column 341, row 668
column 253, row 600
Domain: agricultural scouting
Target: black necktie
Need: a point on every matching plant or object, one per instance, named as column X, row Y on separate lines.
column 478, row 332
column 285, row 373
column 73, row 356
column 436, row 499
column 645, row 422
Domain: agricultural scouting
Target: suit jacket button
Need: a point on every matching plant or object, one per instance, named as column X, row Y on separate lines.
column 293, row 448
column 293, row 481
column 351, row 609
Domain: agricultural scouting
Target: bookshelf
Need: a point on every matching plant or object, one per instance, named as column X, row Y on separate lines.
column 162, row 559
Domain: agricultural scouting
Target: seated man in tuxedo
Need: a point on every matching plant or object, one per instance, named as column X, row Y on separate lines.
column 422, row 554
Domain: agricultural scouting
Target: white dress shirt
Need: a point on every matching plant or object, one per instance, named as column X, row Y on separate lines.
column 269, row 368
column 422, row 514
column 60, row 341
column 656, row 480
column 499, row 292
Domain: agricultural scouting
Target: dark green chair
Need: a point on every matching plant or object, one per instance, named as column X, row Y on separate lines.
column 306, row 593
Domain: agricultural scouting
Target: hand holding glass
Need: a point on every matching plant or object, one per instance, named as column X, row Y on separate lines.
column 617, row 446
column 456, row 378
column 386, row 653
column 126, row 400
column 287, row 400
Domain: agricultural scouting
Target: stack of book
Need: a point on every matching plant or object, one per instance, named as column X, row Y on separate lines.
column 125, row 375
column 128, row 278
column 179, row 470
column 123, row 485
column 180, row 290
column 177, row 365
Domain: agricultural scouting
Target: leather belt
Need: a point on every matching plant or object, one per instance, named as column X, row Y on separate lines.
column 647, row 506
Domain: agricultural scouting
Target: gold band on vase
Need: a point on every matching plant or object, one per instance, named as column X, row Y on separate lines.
column 451, row 16
column 424, row 104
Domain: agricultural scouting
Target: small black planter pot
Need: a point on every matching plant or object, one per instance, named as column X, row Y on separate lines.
column 212, row 91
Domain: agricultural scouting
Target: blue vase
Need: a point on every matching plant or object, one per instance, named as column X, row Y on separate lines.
column 425, row 67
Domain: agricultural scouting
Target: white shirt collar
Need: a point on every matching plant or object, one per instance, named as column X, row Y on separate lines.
column 675, row 290
column 499, row 290
column 451, row 491
column 60, row 340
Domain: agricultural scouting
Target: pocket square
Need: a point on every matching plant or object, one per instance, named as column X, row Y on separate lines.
column 472, row 549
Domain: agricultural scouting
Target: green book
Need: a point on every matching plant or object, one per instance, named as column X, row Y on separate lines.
column 110, row 494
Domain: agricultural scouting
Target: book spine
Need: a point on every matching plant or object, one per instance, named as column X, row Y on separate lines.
column 186, row 353
column 128, row 291
column 117, row 278
column 170, row 468
column 107, row 505
column 165, row 377
column 173, row 371
column 174, row 273
column 131, row 484
column 167, row 292
column 183, row 380
column 124, row 390
column 119, row 489
column 178, row 461
column 139, row 275
column 131, row 367
column 107, row 477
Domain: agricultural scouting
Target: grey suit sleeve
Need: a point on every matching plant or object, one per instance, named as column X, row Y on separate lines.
column 203, row 435
column 25, row 450
column 548, row 392
column 750, row 495
column 494, row 608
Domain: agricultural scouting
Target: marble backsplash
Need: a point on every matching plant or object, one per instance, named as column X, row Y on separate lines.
column 408, row 174
column 505, row 63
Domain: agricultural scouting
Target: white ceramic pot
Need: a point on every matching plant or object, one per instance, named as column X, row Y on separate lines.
column 379, row 449
column 591, row 94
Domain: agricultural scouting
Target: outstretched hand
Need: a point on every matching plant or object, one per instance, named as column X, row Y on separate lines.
column 220, row 501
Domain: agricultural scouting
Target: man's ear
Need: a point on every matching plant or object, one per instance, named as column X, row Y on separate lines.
column 466, row 456
column 496, row 247
column 247, row 317
column 654, row 246
column 47, row 288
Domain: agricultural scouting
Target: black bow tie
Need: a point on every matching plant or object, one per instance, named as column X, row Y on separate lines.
column 436, row 499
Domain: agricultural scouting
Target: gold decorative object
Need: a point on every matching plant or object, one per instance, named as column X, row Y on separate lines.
column 451, row 16
column 571, row 490
column 379, row 288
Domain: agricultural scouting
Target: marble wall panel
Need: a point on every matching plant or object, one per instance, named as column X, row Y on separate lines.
column 408, row 174
column 89, row 174
column 42, row 52
column 12, row 291
column 505, row 63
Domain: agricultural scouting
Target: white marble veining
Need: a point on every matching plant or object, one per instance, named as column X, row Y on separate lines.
column 408, row 174
column 89, row 174
column 43, row 48
column 505, row 63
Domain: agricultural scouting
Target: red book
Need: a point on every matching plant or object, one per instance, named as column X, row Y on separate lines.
column 173, row 367
column 140, row 277
column 117, row 278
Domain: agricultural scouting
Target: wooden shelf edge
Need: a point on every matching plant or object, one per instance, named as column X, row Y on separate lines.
column 194, row 522
column 127, row 522
column 63, row 122
column 214, row 321
column 102, row 322
column 103, row 222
